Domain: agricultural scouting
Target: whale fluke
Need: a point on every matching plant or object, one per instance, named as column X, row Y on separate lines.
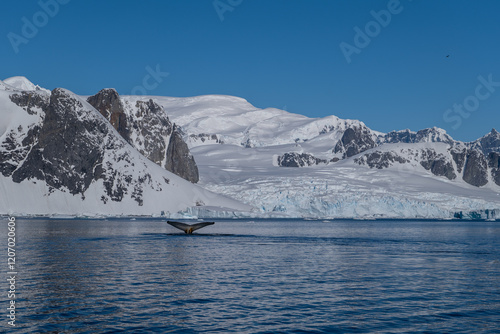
column 189, row 228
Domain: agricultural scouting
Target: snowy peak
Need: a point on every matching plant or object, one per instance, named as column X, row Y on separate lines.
column 433, row 135
column 429, row 135
column 23, row 84
column 20, row 83
column 217, row 119
column 489, row 143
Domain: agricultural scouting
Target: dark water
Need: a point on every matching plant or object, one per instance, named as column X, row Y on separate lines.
column 82, row 276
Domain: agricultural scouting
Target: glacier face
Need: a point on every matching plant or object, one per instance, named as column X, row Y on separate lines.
column 345, row 189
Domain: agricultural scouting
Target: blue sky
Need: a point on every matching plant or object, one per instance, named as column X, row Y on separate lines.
column 274, row 53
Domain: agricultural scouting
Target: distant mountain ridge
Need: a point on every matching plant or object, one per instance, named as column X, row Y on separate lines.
column 476, row 162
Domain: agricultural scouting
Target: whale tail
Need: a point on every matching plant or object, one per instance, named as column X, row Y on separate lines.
column 189, row 229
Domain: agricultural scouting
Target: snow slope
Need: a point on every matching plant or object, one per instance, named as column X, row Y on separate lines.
column 235, row 121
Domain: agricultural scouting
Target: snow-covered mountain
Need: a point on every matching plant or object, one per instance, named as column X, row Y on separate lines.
column 111, row 155
column 21, row 83
column 351, row 170
column 231, row 120
column 59, row 155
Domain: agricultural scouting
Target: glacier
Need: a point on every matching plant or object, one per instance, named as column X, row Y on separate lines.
column 345, row 190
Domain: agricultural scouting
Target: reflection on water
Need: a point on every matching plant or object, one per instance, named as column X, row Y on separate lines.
column 84, row 276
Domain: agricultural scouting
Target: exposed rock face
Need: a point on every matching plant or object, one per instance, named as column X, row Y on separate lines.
column 433, row 135
column 18, row 144
column 403, row 136
column 380, row 160
column 489, row 143
column 146, row 126
column 293, row 159
column 30, row 101
column 473, row 162
column 475, row 171
column 327, row 129
column 205, row 137
column 59, row 145
column 179, row 159
column 438, row 164
column 354, row 141
column 70, row 148
column 459, row 155
column 442, row 167
column 470, row 159
column 152, row 130
column 494, row 164
column 108, row 103
column 67, row 151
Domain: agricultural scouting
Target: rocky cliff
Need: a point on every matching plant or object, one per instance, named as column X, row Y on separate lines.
column 179, row 159
column 66, row 151
column 145, row 125
column 354, row 141
column 293, row 159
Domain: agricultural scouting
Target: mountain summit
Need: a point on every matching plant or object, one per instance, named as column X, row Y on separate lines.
column 23, row 84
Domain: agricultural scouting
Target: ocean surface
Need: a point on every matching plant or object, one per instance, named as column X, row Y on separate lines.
column 262, row 276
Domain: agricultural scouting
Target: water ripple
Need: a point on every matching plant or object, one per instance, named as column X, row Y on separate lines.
column 264, row 277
